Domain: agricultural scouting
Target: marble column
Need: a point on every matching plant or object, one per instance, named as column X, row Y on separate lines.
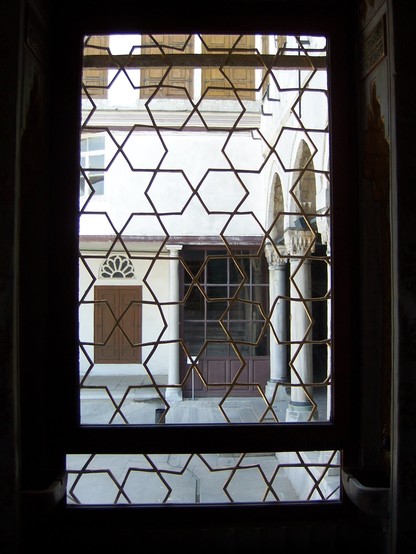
column 173, row 390
column 278, row 351
column 298, row 242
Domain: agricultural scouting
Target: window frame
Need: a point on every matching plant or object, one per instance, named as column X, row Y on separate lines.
column 337, row 434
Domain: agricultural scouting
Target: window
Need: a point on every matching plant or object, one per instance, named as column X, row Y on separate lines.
column 174, row 82
column 222, row 83
column 92, row 166
column 95, row 79
column 300, row 213
column 180, row 82
column 218, row 294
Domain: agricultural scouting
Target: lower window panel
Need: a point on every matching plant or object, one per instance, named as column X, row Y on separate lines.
column 262, row 477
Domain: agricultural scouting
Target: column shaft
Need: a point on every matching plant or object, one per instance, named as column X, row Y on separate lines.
column 300, row 245
column 173, row 392
column 278, row 331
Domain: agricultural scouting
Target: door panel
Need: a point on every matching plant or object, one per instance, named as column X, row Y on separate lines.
column 122, row 340
column 219, row 373
column 104, row 325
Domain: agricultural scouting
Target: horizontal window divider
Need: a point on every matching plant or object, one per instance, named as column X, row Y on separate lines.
column 204, row 439
column 170, row 515
column 260, row 61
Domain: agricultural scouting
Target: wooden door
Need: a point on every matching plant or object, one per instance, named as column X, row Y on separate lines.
column 221, row 375
column 117, row 340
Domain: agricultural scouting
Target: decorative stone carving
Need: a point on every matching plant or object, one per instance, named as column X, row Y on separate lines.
column 117, row 266
column 299, row 241
column 274, row 255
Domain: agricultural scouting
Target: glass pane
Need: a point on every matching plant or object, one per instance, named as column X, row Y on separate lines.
column 195, row 333
column 227, row 190
column 140, row 479
column 194, row 307
column 216, row 332
column 216, row 291
column 96, row 143
column 240, row 270
column 97, row 182
column 193, row 265
column 217, row 270
column 215, row 349
column 216, row 309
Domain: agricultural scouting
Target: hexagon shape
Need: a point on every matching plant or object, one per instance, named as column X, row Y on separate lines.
column 146, row 485
column 170, row 192
column 143, row 148
column 203, row 107
column 248, row 482
column 95, row 486
column 246, row 155
column 282, row 147
column 233, row 191
column 306, row 106
column 257, row 316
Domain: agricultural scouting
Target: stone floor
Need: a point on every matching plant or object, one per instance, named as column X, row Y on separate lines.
column 104, row 409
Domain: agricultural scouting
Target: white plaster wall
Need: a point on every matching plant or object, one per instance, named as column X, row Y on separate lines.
column 189, row 162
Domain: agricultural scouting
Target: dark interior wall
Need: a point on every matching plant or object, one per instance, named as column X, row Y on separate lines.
column 31, row 185
column 374, row 328
column 404, row 247
column 34, row 356
column 9, row 458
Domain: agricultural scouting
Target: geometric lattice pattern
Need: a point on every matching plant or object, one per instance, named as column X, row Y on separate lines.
column 215, row 145
column 203, row 478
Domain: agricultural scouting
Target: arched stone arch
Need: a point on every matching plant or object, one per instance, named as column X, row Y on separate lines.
column 303, row 189
column 276, row 209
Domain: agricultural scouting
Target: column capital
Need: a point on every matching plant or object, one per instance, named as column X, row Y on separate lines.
column 274, row 256
column 299, row 241
column 173, row 248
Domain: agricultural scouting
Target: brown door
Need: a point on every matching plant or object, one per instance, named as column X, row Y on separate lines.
column 117, row 324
